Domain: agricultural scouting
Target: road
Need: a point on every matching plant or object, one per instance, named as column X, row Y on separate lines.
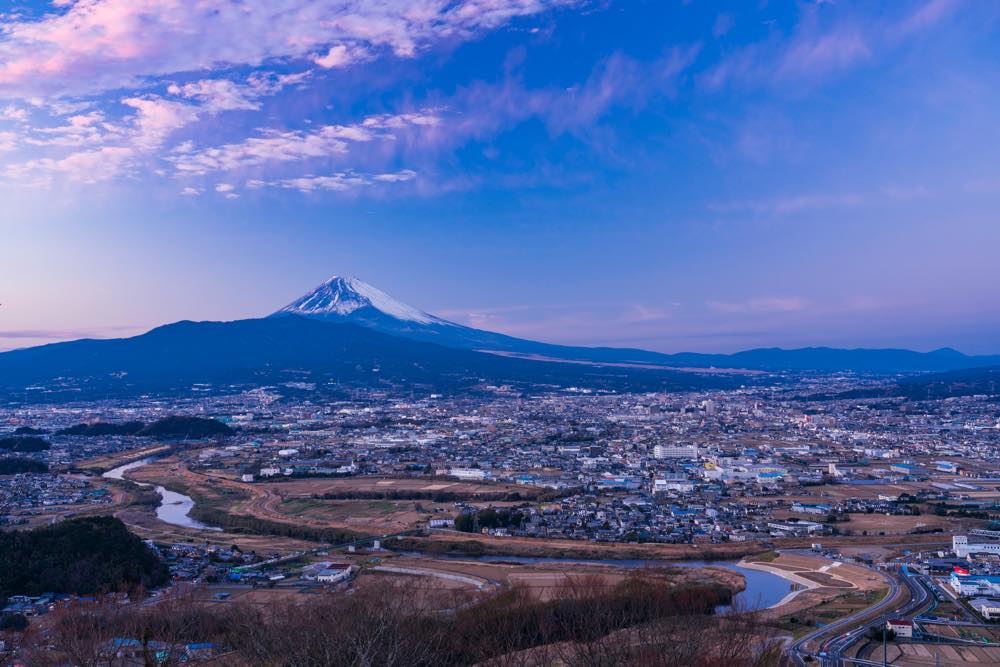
column 844, row 632
column 908, row 596
column 920, row 600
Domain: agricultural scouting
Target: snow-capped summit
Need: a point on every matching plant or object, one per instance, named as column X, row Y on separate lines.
column 340, row 298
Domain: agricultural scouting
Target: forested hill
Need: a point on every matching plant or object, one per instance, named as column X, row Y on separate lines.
column 168, row 427
column 83, row 556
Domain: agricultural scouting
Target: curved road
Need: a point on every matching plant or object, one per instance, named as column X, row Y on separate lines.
column 893, row 598
column 846, row 631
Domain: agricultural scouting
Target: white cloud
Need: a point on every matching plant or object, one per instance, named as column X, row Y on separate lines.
column 103, row 150
column 218, row 94
column 90, row 166
column 97, row 45
column 273, row 146
column 11, row 112
column 157, row 118
column 337, row 182
column 8, row 141
column 396, row 177
column 341, row 55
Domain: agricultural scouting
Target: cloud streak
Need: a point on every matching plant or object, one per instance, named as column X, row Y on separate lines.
column 89, row 46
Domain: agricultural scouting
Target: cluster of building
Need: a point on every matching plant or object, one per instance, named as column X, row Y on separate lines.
column 24, row 495
column 665, row 466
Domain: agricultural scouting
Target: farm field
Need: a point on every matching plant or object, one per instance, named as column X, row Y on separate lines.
column 381, row 485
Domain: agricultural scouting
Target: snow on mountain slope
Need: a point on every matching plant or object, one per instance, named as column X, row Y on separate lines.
column 344, row 296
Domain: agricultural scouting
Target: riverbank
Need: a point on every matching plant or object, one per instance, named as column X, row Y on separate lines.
column 752, row 589
column 802, row 583
column 174, row 508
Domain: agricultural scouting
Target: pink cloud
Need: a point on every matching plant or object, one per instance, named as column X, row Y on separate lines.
column 788, row 205
column 815, row 56
column 761, row 305
column 97, row 45
column 812, row 53
column 930, row 12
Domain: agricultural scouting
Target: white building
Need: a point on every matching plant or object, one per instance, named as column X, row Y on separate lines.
column 960, row 545
column 665, row 485
column 794, row 527
column 672, row 452
column 987, row 608
column 974, row 584
column 333, row 576
column 902, row 627
column 468, row 473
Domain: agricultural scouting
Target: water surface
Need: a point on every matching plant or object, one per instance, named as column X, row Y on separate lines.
column 174, row 507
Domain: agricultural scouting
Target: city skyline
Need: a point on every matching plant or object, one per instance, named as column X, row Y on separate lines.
column 673, row 177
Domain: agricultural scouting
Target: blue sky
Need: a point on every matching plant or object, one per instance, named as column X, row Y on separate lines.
column 671, row 175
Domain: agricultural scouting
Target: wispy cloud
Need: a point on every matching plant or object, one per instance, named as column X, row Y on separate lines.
column 788, row 205
column 761, row 305
column 337, row 182
column 65, row 334
column 88, row 46
column 928, row 14
column 274, row 146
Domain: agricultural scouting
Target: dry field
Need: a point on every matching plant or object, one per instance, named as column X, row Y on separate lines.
column 930, row 655
column 542, row 580
column 892, row 525
column 108, row 462
column 306, row 488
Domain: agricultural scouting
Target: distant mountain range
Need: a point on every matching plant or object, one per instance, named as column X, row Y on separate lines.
column 346, row 333
column 341, row 356
column 351, row 300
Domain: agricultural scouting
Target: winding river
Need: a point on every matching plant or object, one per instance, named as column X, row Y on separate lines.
column 173, row 508
column 763, row 589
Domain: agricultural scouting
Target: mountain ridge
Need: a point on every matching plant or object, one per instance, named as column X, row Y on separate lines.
column 180, row 355
column 350, row 334
column 400, row 319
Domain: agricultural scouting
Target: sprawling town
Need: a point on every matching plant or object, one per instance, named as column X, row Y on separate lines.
column 885, row 504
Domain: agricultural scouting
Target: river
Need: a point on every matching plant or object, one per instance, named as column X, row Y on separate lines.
column 173, row 508
column 763, row 589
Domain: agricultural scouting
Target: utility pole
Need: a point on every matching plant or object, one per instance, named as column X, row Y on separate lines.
column 885, row 649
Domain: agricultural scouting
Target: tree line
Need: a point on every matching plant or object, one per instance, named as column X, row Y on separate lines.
column 83, row 556
column 537, row 495
column 21, row 443
column 585, row 622
column 14, row 466
column 168, row 427
column 245, row 523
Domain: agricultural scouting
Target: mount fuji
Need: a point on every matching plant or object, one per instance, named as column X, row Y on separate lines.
column 347, row 334
column 350, row 300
